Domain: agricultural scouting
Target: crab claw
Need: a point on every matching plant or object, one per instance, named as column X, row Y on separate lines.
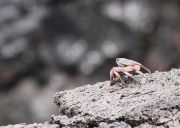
column 115, row 72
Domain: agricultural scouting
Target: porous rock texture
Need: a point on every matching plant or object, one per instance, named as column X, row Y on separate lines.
column 149, row 104
column 153, row 104
column 35, row 125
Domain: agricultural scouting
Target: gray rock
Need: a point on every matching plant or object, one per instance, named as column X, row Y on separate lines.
column 35, row 125
column 114, row 125
column 156, row 102
column 146, row 125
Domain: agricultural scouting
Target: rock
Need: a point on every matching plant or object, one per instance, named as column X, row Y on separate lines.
column 114, row 125
column 35, row 125
column 151, row 104
column 154, row 104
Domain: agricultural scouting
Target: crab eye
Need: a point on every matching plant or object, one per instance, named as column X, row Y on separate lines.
column 121, row 65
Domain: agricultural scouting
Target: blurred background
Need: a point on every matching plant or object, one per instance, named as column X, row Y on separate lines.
column 52, row 45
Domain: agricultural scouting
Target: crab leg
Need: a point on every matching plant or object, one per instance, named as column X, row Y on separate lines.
column 117, row 74
column 111, row 77
column 145, row 68
column 139, row 72
column 113, row 72
column 128, row 74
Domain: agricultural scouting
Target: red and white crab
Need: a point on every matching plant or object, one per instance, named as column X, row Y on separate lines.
column 126, row 67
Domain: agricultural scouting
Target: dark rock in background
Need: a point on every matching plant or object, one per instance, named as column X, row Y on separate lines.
column 50, row 45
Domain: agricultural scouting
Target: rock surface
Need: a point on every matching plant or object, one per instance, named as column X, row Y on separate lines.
column 154, row 104
column 35, row 125
column 151, row 104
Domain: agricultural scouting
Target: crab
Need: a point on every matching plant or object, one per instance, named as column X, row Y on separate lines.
column 128, row 68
